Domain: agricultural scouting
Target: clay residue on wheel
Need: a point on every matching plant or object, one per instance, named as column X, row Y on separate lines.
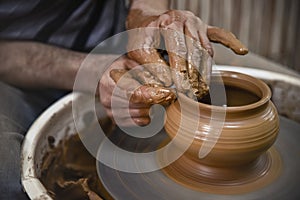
column 69, row 172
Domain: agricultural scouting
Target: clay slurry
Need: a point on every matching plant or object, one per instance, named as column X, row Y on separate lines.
column 234, row 96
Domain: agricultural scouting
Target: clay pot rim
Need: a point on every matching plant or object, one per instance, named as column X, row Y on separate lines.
column 264, row 98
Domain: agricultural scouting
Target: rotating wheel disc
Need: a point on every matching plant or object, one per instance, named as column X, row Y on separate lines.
column 156, row 185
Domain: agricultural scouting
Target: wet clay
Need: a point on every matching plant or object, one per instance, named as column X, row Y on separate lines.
column 69, row 172
column 189, row 50
column 235, row 96
column 240, row 159
column 145, row 94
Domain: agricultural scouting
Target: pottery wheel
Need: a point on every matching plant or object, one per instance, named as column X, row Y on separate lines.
column 156, row 185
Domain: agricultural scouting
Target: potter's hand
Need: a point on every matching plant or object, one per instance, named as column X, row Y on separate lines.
column 187, row 42
column 136, row 90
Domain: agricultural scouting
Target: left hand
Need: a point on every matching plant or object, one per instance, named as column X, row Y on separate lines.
column 187, row 41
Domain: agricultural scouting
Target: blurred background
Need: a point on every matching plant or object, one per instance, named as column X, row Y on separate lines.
column 269, row 28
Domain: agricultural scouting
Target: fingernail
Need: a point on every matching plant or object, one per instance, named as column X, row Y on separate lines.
column 141, row 121
column 243, row 51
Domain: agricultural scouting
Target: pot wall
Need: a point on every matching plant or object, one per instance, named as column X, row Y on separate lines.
column 247, row 131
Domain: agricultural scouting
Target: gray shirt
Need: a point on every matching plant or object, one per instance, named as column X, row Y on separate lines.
column 75, row 24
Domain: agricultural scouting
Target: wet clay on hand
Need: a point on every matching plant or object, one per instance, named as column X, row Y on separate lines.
column 226, row 38
column 142, row 94
column 187, row 41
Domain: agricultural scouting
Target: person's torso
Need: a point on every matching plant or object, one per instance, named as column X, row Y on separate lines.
column 74, row 24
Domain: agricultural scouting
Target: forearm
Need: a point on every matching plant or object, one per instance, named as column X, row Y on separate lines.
column 41, row 66
column 142, row 10
column 36, row 65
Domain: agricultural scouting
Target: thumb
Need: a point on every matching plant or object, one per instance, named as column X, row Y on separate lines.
column 142, row 94
column 226, row 38
column 150, row 95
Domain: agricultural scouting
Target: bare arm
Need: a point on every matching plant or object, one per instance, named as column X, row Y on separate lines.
column 29, row 64
column 37, row 66
column 142, row 11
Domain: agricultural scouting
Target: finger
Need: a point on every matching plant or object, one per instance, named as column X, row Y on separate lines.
column 144, row 76
column 226, row 38
column 206, row 43
column 107, row 84
column 129, row 63
column 125, row 86
column 197, row 27
column 198, row 65
column 121, row 102
column 137, row 72
column 152, row 95
column 201, row 58
column 142, row 47
column 141, row 94
column 129, row 122
column 205, row 65
column 196, row 30
column 142, row 121
column 154, row 64
column 133, row 112
column 124, row 80
column 177, row 52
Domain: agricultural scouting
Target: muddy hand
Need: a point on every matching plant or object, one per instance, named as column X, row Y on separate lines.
column 138, row 94
column 187, row 40
column 129, row 94
column 142, row 47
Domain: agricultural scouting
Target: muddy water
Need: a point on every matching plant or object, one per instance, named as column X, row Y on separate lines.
column 234, row 96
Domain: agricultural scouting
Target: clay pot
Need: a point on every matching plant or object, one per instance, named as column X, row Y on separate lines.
column 236, row 151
